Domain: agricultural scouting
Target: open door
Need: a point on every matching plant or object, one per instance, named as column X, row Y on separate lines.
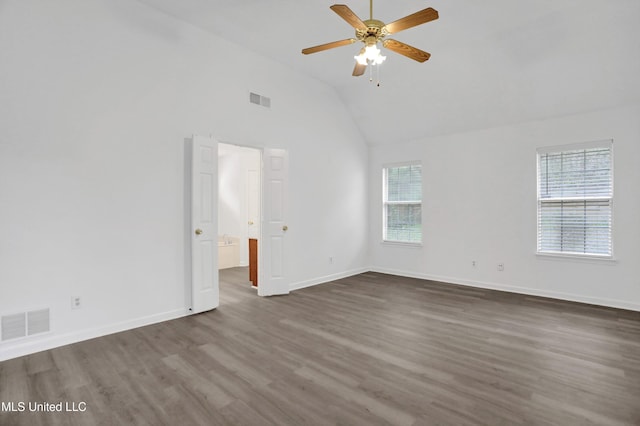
column 203, row 189
column 272, row 271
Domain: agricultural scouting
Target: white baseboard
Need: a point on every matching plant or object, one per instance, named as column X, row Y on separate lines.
column 327, row 278
column 612, row 303
column 32, row 345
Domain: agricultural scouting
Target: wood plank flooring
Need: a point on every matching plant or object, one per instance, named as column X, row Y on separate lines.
column 367, row 350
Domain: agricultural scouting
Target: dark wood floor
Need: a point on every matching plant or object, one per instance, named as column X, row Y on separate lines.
column 370, row 349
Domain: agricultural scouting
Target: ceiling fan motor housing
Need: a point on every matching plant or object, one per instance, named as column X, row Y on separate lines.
column 375, row 32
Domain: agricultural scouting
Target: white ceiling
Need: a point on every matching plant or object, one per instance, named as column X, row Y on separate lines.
column 493, row 63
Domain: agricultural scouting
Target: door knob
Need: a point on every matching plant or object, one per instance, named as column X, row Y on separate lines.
column 285, row 227
column 198, row 231
column 250, row 222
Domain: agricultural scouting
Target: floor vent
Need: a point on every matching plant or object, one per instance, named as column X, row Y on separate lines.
column 254, row 98
column 24, row 324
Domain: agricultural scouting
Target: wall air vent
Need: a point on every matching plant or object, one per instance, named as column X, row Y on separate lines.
column 257, row 99
column 14, row 326
column 24, row 324
column 37, row 322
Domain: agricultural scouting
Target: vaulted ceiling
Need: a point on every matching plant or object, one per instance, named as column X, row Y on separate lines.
column 493, row 63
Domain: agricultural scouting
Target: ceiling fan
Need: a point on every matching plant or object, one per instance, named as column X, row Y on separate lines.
column 372, row 31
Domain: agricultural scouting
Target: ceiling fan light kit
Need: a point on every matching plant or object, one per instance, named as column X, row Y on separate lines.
column 372, row 31
column 370, row 55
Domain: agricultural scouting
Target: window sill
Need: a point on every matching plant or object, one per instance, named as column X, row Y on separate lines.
column 401, row 244
column 577, row 258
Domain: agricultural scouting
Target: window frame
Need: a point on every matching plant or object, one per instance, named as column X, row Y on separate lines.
column 386, row 202
column 606, row 143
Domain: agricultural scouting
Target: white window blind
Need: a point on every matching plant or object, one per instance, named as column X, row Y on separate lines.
column 575, row 199
column 402, row 200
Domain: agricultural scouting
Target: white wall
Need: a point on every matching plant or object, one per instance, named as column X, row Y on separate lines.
column 479, row 203
column 97, row 98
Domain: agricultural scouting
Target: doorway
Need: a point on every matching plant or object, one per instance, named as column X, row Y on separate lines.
column 202, row 236
column 239, row 214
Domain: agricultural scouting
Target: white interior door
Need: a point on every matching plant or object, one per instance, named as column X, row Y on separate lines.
column 204, row 223
column 273, row 246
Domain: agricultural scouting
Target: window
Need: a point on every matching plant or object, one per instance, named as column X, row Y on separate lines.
column 575, row 199
column 402, row 200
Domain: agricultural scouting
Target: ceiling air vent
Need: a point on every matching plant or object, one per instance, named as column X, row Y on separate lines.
column 257, row 99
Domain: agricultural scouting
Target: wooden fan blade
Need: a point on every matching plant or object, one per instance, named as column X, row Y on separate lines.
column 406, row 50
column 328, row 46
column 348, row 15
column 358, row 70
column 426, row 15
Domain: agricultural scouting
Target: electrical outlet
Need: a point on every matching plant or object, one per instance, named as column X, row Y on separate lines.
column 474, row 263
column 331, row 259
column 75, row 302
column 500, row 267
